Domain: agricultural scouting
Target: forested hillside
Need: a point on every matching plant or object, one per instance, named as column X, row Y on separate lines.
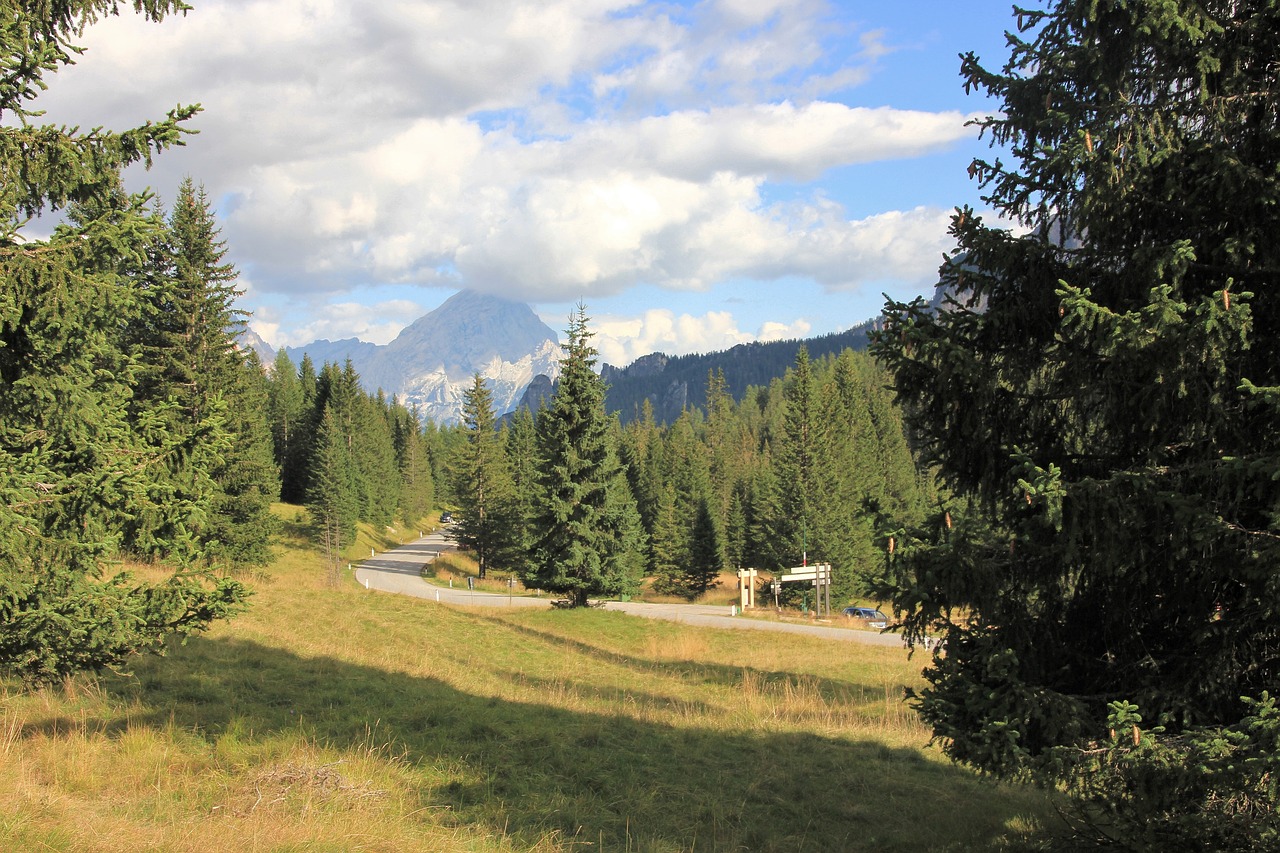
column 671, row 383
column 806, row 467
column 348, row 455
column 133, row 428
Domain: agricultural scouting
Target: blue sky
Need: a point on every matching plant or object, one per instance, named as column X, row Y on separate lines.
column 699, row 174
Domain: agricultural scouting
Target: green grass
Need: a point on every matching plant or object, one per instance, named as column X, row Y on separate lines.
column 337, row 719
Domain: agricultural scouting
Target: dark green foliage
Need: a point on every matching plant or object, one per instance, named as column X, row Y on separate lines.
column 1101, row 395
column 288, row 414
column 352, row 473
column 78, row 458
column 520, row 440
column 798, row 454
column 210, row 495
column 333, row 497
column 57, row 623
column 667, row 556
column 202, row 364
column 706, row 557
column 241, row 524
column 808, row 465
column 590, row 542
column 745, row 366
column 350, row 456
column 375, row 458
column 1211, row 789
column 482, row 482
column 417, row 491
column 295, row 467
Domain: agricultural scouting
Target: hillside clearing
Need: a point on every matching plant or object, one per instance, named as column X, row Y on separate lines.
column 334, row 719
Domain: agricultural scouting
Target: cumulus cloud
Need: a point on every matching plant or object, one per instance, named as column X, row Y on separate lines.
column 561, row 218
column 621, row 340
column 376, row 323
column 544, row 151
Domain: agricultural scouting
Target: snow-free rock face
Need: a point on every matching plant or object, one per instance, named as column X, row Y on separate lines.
column 431, row 362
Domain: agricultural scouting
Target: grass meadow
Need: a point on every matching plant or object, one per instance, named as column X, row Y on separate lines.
column 334, row 719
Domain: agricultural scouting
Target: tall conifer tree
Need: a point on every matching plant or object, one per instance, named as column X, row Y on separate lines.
column 590, row 541
column 482, row 481
column 72, row 465
column 333, row 497
column 1103, row 394
column 241, row 524
column 417, row 490
column 287, row 413
column 374, row 452
column 204, row 366
column 798, row 457
column 521, row 445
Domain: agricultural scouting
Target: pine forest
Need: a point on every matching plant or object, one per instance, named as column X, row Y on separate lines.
column 1062, row 483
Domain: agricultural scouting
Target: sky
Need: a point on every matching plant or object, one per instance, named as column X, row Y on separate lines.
column 697, row 174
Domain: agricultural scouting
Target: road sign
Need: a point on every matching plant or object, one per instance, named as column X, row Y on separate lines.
column 818, row 574
column 818, row 571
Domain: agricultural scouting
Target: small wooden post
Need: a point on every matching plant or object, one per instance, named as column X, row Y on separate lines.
column 747, row 587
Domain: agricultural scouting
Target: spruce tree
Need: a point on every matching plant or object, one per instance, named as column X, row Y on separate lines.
column 73, row 466
column 706, row 554
column 205, row 364
column 590, row 542
column 295, row 470
column 761, row 548
column 723, row 446
column 374, row 452
column 417, row 491
column 1102, row 393
column 482, row 481
column 287, row 413
column 520, row 439
column 699, row 550
column 668, row 555
column 800, row 475
column 241, row 524
column 210, row 495
column 333, row 498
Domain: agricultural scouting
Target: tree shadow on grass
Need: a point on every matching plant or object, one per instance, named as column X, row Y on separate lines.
column 534, row 772
column 624, row 697
column 832, row 690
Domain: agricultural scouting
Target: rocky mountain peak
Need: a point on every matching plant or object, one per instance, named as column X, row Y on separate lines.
column 431, row 362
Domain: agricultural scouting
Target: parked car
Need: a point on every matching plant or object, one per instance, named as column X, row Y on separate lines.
column 869, row 616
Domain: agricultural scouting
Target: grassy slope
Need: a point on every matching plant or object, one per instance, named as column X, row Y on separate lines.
column 335, row 719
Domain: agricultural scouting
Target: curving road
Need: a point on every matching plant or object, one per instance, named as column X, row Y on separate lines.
column 400, row 571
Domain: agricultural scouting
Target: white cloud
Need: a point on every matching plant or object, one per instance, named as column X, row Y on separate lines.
column 546, row 151
column 621, row 340
column 774, row 140
column 378, row 323
column 594, row 214
column 774, row 331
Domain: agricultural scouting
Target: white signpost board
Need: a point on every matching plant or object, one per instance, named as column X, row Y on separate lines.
column 819, row 574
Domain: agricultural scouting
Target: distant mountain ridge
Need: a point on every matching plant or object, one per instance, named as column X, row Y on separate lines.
column 673, row 383
column 431, row 362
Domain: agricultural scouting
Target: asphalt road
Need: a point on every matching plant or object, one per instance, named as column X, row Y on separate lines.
column 400, row 571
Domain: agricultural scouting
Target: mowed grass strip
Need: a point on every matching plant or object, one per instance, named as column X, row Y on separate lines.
column 337, row 719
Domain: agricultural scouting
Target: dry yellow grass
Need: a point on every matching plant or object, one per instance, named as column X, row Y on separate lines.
column 337, row 719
